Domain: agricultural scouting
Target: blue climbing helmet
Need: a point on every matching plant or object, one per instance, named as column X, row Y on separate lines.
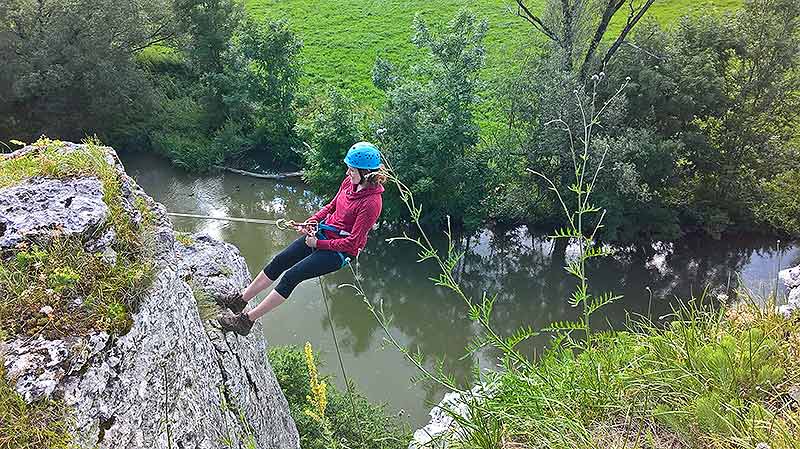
column 363, row 155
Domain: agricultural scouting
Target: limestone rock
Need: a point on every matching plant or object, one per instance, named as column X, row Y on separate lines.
column 442, row 427
column 172, row 380
column 37, row 208
column 790, row 278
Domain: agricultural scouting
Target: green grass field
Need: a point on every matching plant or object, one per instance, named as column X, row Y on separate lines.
column 342, row 38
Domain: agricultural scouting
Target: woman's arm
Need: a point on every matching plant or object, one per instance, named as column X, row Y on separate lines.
column 353, row 243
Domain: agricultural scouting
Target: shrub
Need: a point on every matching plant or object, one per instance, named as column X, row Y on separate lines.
column 370, row 428
column 331, row 131
column 427, row 129
column 781, row 206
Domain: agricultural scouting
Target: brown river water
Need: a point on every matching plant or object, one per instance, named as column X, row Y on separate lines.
column 523, row 268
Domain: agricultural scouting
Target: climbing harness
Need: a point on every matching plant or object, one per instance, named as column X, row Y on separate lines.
column 321, row 236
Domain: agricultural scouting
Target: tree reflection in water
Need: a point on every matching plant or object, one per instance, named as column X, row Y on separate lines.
column 526, row 271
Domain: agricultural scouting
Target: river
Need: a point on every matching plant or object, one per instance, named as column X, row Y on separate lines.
column 523, row 269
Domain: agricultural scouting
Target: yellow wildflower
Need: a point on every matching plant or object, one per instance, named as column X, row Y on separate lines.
column 318, row 397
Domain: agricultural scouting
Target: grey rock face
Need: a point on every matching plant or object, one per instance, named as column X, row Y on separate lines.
column 33, row 210
column 791, row 278
column 172, row 380
column 442, row 428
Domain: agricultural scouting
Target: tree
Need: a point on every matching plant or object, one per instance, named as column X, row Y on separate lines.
column 207, row 27
column 258, row 86
column 727, row 89
column 329, row 134
column 68, row 66
column 427, row 130
column 578, row 27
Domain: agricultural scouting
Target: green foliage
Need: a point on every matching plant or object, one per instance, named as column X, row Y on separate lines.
column 581, row 213
column 179, row 133
column 208, row 26
column 781, row 206
column 372, row 428
column 184, row 238
column 428, row 132
column 30, row 426
column 330, row 131
column 640, row 170
column 258, row 86
column 708, row 380
column 68, row 70
column 726, row 89
column 233, row 95
column 62, row 278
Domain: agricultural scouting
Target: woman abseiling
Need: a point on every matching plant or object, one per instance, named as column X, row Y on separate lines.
column 343, row 227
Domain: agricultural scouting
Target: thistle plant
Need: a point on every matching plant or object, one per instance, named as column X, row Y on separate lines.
column 480, row 311
column 580, row 146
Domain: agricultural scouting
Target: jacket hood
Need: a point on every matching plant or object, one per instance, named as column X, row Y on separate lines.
column 366, row 191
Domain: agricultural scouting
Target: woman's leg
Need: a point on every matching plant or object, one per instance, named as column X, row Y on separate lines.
column 273, row 299
column 292, row 254
column 257, row 286
column 317, row 264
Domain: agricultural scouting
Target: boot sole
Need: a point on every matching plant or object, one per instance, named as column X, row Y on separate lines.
column 225, row 328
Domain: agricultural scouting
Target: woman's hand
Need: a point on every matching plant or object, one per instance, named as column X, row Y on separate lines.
column 305, row 230
column 311, row 241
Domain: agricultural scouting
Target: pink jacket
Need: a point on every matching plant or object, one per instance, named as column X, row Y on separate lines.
column 351, row 211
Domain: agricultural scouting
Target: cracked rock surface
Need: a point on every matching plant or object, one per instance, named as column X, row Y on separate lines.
column 29, row 210
column 172, row 380
column 791, row 278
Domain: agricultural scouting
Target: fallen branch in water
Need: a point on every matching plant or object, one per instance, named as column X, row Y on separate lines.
column 294, row 174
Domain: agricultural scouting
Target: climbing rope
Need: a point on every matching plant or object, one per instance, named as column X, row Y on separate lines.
column 280, row 223
column 336, row 345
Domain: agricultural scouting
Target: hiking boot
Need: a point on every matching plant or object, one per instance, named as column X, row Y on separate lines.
column 234, row 302
column 238, row 323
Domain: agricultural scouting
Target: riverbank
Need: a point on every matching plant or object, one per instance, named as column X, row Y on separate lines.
column 713, row 378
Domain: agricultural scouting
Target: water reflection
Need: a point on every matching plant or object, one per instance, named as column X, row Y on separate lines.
column 523, row 268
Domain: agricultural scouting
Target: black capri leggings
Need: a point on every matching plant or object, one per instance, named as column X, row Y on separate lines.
column 302, row 262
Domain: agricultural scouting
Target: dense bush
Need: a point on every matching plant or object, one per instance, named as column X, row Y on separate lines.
column 68, row 69
column 371, row 428
column 698, row 142
column 427, row 129
column 781, row 206
column 233, row 94
column 224, row 87
column 329, row 132
column 726, row 89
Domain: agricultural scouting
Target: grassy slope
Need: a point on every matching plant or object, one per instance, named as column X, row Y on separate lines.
column 342, row 38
